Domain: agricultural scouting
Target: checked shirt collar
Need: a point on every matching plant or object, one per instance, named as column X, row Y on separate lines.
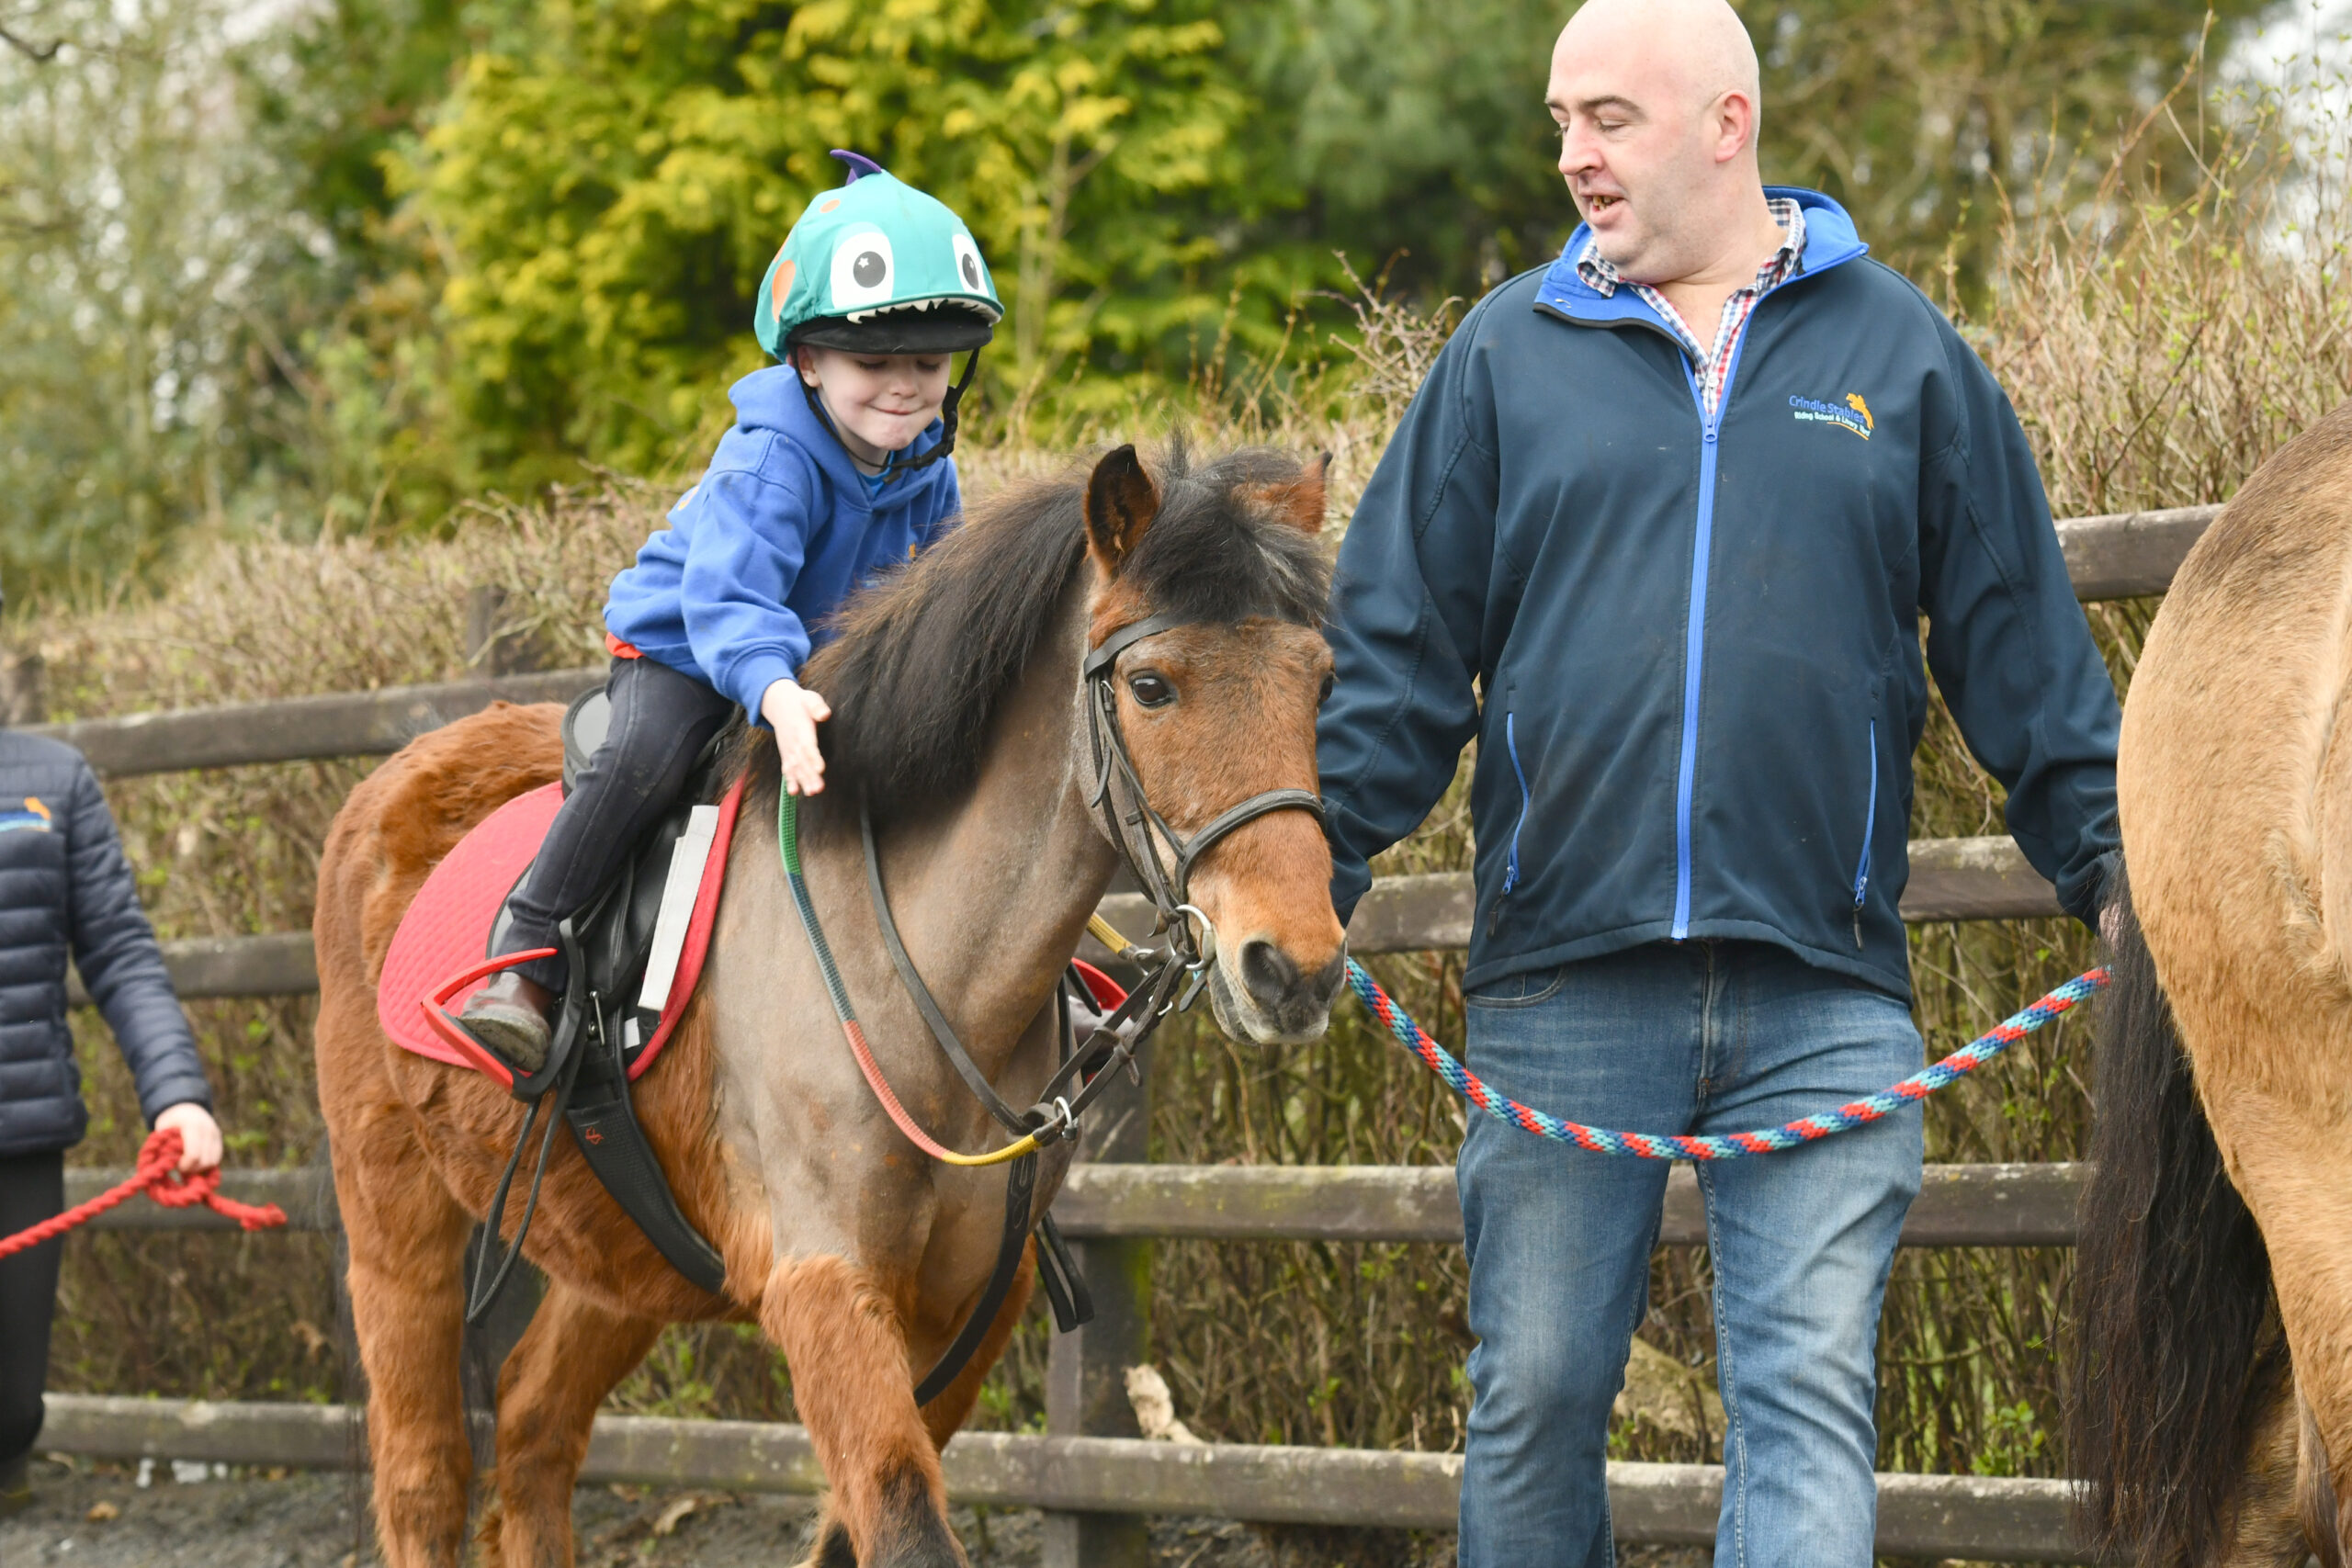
column 1601, row 278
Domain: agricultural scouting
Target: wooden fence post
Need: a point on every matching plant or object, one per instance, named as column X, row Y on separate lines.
column 24, row 696
column 494, row 649
column 1086, row 1387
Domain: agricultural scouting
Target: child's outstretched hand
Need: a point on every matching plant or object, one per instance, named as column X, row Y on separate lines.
column 794, row 714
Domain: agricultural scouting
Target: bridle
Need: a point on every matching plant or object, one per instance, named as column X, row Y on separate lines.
column 1085, row 1070
column 1137, row 830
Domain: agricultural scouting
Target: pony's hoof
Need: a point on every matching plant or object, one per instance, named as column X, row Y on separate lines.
column 832, row 1551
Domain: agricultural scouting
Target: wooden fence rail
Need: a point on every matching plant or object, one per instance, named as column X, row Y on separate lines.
column 1978, row 1517
column 1959, row 1205
column 1951, row 879
column 2116, row 556
column 1095, row 1485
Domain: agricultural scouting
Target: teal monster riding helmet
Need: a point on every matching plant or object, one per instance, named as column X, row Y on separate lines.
column 878, row 267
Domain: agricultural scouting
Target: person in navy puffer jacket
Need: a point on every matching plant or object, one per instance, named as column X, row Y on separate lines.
column 66, row 891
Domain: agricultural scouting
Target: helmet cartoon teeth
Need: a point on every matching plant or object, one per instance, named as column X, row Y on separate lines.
column 877, row 267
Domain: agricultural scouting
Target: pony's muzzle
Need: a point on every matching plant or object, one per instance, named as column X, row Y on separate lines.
column 1290, row 1004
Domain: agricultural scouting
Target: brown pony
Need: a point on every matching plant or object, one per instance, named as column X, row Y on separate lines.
column 958, row 689
column 2213, row 1409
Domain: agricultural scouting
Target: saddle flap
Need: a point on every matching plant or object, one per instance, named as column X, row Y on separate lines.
column 457, row 921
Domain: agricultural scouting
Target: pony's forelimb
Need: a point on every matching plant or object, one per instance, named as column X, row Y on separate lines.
column 851, row 1383
column 2327, row 1522
column 568, row 1359
column 945, row 1415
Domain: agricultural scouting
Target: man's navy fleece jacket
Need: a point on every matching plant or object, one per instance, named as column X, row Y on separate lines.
column 1690, row 650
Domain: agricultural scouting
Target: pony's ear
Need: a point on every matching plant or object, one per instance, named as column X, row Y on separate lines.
column 1121, row 501
column 1299, row 501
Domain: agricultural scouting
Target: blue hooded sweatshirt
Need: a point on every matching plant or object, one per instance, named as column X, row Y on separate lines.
column 781, row 529
column 1689, row 648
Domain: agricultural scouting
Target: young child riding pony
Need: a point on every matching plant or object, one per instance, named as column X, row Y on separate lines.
column 837, row 468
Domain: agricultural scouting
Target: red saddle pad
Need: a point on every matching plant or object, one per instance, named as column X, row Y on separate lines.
column 438, row 958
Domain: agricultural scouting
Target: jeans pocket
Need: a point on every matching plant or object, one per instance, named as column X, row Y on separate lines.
column 1522, row 990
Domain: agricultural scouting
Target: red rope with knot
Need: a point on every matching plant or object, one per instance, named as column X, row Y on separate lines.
column 158, row 1176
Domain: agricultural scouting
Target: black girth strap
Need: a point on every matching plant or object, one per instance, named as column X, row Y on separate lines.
column 605, row 1125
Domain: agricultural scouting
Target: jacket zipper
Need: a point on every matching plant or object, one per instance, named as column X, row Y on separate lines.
column 1869, row 827
column 1510, row 860
column 1695, row 638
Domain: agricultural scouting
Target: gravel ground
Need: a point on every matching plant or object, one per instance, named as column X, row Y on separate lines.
column 99, row 1517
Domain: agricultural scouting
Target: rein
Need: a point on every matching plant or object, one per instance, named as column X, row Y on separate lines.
column 787, row 833
column 1084, row 1072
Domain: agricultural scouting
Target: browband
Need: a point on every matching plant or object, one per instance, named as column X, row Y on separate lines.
column 1117, row 643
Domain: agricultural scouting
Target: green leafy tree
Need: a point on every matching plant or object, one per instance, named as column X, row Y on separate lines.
column 1922, row 119
column 611, row 181
column 142, row 387
column 1417, row 127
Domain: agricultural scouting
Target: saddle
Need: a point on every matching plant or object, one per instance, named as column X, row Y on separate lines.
column 634, row 957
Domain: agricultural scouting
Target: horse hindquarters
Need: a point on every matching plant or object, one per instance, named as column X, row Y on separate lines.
column 406, row 1243
column 2176, row 1368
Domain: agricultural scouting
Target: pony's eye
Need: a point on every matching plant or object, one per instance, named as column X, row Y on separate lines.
column 1153, row 691
column 863, row 266
column 1330, row 681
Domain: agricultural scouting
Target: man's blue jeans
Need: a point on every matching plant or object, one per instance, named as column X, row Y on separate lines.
column 1704, row 1037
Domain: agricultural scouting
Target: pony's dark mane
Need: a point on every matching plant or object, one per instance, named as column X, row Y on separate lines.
column 921, row 662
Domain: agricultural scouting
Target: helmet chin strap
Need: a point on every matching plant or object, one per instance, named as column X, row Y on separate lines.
column 892, row 467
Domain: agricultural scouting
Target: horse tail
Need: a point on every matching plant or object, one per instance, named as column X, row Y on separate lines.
column 2177, row 1355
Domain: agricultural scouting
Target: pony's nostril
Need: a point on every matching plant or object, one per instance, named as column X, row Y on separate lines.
column 1267, row 972
column 1333, row 974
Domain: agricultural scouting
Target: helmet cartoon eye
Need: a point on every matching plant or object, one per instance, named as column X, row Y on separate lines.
column 864, row 271
column 969, row 269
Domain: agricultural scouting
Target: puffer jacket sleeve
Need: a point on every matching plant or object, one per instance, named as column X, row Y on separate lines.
column 1408, row 606
column 122, row 968
column 2007, row 640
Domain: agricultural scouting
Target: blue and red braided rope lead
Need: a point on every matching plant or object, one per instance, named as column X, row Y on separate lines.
column 1727, row 1145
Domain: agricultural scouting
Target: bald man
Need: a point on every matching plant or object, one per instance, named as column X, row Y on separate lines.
column 1659, row 533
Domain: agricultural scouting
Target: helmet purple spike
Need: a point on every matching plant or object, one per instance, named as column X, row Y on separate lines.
column 859, row 165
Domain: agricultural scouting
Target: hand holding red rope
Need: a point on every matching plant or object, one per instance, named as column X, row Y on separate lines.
column 157, row 1176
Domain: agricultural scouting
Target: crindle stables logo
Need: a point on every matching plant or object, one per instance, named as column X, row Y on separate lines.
column 1853, row 414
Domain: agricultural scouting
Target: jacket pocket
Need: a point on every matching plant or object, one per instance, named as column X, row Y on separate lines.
column 1518, row 824
column 1870, row 829
column 1526, row 990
